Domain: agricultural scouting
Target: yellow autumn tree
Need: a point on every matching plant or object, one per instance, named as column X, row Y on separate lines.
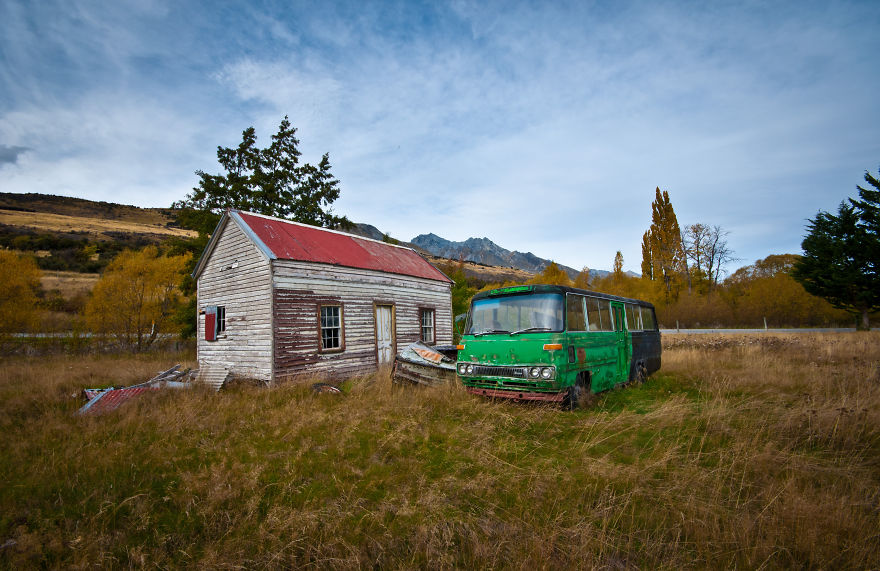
column 582, row 280
column 552, row 275
column 136, row 297
column 19, row 283
column 663, row 256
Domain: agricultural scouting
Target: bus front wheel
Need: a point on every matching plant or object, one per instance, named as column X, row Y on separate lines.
column 578, row 392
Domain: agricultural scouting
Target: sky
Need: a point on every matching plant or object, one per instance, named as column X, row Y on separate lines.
column 543, row 126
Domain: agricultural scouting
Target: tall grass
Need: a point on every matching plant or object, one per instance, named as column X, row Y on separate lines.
column 742, row 452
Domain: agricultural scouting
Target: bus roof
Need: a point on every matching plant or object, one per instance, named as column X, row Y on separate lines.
column 545, row 288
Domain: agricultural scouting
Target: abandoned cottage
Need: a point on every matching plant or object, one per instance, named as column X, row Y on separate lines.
column 278, row 299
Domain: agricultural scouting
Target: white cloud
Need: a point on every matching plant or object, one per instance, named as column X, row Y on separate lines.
column 536, row 126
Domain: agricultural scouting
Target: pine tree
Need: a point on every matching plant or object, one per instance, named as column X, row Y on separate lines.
column 267, row 181
column 841, row 259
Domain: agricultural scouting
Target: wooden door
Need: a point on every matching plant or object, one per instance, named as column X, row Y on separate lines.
column 385, row 333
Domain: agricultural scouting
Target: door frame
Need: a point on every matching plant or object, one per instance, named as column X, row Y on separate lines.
column 376, row 305
column 618, row 311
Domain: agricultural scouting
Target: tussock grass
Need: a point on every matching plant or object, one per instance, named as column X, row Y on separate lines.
column 743, row 452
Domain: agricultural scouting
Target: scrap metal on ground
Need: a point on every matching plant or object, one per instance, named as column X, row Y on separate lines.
column 106, row 400
column 419, row 364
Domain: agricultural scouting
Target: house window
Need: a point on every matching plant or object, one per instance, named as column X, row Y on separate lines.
column 221, row 319
column 427, row 320
column 215, row 321
column 331, row 327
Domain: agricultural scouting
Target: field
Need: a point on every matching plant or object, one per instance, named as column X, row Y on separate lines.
column 98, row 227
column 751, row 452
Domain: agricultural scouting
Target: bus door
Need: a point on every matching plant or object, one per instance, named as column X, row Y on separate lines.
column 622, row 346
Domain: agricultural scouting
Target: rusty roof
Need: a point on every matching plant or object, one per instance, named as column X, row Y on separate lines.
column 286, row 240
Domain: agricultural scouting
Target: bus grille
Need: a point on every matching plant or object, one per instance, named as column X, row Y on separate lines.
column 498, row 371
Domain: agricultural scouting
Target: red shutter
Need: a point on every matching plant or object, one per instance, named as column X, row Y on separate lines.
column 211, row 323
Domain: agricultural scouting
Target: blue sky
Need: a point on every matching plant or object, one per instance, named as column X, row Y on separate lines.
column 543, row 126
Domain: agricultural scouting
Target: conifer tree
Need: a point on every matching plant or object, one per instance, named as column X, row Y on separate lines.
column 268, row 181
column 841, row 259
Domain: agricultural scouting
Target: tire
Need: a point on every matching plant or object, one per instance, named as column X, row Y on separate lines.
column 642, row 374
column 578, row 393
column 573, row 398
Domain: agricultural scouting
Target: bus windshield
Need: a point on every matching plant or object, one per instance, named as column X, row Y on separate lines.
column 516, row 314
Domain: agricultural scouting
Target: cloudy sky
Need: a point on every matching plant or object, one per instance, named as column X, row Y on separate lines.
column 543, row 126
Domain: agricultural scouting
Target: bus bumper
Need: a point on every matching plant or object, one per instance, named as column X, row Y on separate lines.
column 517, row 395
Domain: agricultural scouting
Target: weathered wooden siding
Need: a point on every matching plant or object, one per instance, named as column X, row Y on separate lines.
column 301, row 287
column 245, row 348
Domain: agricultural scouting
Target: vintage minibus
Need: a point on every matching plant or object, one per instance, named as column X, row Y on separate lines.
column 555, row 343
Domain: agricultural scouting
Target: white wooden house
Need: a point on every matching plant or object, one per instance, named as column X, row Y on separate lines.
column 278, row 299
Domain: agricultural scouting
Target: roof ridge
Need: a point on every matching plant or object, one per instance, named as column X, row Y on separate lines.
column 341, row 232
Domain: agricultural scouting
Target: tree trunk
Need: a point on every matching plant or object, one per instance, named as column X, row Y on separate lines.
column 866, row 323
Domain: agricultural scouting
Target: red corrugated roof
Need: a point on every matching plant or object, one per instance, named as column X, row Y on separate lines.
column 293, row 241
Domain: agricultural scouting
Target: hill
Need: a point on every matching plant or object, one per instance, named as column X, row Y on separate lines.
column 77, row 235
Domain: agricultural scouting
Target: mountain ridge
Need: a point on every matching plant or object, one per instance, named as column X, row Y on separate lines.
column 485, row 251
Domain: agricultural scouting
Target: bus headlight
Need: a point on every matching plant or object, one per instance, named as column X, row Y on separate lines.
column 535, row 372
column 546, row 372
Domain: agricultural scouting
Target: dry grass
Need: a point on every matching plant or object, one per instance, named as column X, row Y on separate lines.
column 68, row 284
column 96, row 226
column 749, row 452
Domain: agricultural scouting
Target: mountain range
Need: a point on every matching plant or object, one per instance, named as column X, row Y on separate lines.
column 481, row 251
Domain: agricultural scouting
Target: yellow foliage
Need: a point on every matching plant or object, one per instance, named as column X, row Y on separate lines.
column 135, row 298
column 19, row 283
column 582, row 280
column 552, row 275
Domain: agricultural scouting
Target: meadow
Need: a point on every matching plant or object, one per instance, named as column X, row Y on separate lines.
column 744, row 451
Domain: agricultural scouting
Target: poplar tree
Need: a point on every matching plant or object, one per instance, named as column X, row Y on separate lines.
column 663, row 257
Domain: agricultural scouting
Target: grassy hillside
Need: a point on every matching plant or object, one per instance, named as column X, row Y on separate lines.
column 82, row 208
column 747, row 452
column 75, row 235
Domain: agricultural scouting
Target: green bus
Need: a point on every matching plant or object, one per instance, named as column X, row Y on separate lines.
column 555, row 343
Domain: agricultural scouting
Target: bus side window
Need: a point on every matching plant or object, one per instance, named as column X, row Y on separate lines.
column 575, row 313
column 606, row 322
column 650, row 321
column 594, row 315
column 630, row 316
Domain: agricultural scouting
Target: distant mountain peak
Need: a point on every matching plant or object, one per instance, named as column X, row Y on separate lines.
column 484, row 251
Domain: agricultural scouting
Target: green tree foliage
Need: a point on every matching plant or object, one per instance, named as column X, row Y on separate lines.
column 663, row 256
column 20, row 279
column 136, row 297
column 462, row 292
column 268, row 181
column 841, row 261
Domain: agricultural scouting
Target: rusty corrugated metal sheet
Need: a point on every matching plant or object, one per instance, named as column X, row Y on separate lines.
column 292, row 241
column 111, row 399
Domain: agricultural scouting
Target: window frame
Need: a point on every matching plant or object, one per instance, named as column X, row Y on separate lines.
column 422, row 312
column 220, row 323
column 341, row 328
